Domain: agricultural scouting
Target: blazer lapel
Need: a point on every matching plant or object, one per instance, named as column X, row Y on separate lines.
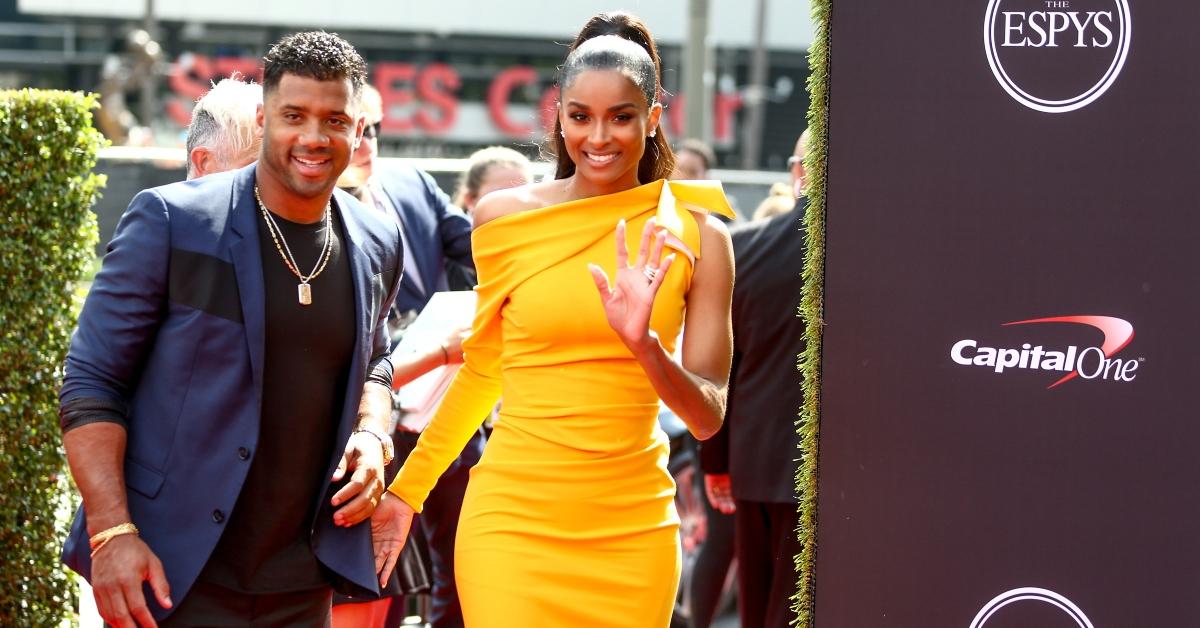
column 414, row 236
column 247, row 265
column 360, row 271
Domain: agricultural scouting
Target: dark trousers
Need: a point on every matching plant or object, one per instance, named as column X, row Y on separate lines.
column 766, row 545
column 712, row 562
column 438, row 522
column 209, row 605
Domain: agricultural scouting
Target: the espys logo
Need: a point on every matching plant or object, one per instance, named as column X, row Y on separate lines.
column 1089, row 362
column 1056, row 55
column 1040, row 607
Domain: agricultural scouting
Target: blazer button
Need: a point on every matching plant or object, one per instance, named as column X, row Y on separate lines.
column 243, row 453
column 218, row 516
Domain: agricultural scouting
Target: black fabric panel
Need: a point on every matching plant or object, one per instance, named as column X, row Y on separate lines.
column 205, row 283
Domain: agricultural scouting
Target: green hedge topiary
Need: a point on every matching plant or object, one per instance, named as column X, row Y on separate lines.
column 48, row 148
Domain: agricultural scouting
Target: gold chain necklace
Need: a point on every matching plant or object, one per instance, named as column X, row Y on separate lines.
column 303, row 289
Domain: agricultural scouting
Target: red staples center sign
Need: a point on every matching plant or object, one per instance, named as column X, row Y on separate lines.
column 1089, row 362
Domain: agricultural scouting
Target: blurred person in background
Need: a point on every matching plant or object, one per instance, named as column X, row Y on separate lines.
column 224, row 134
column 435, row 232
column 488, row 169
column 796, row 166
column 570, row 519
column 779, row 201
column 713, row 556
column 693, row 159
column 434, row 229
column 751, row 463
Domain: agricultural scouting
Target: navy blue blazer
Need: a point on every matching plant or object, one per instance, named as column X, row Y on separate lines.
column 174, row 329
column 434, row 230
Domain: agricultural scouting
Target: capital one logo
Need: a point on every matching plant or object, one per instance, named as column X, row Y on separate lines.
column 1031, row 606
column 1056, row 56
column 1089, row 362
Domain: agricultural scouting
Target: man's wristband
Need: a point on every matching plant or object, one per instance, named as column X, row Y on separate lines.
column 389, row 450
column 100, row 539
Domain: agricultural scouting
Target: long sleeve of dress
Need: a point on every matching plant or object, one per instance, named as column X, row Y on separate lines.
column 470, row 397
column 472, row 394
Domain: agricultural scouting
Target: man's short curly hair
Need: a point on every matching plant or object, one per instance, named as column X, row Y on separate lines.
column 316, row 55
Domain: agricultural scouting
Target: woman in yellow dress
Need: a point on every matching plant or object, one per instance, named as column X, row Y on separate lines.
column 569, row 517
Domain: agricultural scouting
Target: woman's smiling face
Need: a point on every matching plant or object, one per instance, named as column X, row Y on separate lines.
column 605, row 120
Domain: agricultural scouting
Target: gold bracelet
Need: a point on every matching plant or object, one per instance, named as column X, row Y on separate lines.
column 100, row 539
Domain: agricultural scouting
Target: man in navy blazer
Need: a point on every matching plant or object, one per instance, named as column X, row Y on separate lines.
column 434, row 229
column 230, row 361
column 435, row 233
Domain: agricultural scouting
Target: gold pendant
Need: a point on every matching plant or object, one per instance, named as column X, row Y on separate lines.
column 304, row 292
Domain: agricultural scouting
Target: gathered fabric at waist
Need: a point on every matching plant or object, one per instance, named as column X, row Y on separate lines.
column 584, row 432
column 528, row 474
column 552, row 389
column 580, row 409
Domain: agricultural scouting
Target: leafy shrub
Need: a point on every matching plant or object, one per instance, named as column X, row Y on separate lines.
column 48, row 148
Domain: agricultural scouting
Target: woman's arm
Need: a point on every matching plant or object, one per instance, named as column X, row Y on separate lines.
column 696, row 389
column 412, row 365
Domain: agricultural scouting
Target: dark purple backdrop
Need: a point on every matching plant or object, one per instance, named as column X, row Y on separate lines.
column 953, row 209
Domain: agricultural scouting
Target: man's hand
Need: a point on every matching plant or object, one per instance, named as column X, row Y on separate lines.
column 364, row 459
column 118, row 570
column 389, row 530
column 720, row 492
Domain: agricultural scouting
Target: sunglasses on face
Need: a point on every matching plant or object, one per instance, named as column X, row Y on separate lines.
column 372, row 131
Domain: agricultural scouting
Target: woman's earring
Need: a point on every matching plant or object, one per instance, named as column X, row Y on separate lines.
column 562, row 133
column 653, row 132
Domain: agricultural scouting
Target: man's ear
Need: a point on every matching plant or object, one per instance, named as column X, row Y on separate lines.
column 200, row 161
column 468, row 200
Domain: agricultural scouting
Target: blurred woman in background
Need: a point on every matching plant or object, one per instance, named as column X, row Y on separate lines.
column 490, row 169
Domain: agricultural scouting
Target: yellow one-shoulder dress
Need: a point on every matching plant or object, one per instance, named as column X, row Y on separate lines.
column 568, row 518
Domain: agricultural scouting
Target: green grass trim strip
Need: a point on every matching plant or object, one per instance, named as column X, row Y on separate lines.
column 811, row 308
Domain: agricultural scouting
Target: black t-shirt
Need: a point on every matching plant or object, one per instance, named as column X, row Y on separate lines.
column 266, row 545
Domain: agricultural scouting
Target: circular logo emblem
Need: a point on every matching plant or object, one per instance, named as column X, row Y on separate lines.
column 1056, row 55
column 1038, row 602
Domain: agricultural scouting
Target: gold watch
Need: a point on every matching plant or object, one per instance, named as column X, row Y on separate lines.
column 389, row 450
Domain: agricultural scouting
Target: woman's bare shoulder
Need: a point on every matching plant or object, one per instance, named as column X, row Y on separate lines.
column 716, row 245
column 713, row 231
column 501, row 203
